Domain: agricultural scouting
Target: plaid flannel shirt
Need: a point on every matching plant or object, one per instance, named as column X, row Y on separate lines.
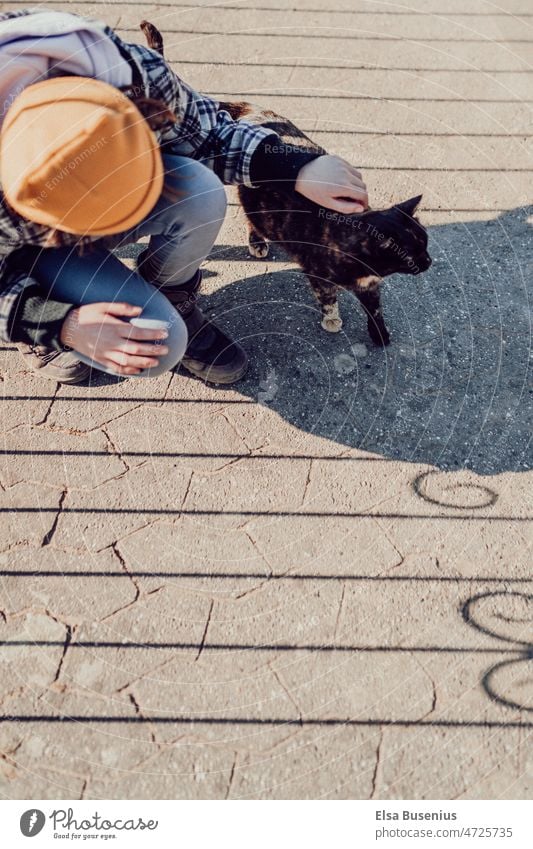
column 202, row 131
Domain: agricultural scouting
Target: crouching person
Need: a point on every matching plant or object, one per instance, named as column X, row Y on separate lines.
column 90, row 160
column 78, row 158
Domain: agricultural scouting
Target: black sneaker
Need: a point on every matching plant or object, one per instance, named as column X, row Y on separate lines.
column 210, row 354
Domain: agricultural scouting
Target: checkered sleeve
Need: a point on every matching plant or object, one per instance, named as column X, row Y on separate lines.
column 14, row 233
column 202, row 130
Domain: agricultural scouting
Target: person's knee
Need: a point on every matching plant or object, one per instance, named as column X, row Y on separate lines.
column 218, row 200
column 202, row 197
column 176, row 342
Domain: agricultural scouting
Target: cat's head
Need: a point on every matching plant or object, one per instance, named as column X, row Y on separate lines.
column 391, row 241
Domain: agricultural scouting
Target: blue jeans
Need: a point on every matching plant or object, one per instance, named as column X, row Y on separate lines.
column 182, row 232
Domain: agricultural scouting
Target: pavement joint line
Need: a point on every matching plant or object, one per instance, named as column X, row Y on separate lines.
column 369, row 12
column 379, row 37
column 456, row 135
column 201, row 645
column 367, row 67
column 518, row 101
column 447, row 170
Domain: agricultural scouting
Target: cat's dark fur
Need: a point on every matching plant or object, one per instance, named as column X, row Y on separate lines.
column 353, row 252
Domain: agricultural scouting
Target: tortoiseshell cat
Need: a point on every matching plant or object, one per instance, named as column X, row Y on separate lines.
column 353, row 252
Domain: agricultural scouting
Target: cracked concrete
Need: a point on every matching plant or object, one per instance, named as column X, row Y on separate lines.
column 316, row 583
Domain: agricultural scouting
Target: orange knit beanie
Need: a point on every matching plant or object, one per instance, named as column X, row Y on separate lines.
column 77, row 155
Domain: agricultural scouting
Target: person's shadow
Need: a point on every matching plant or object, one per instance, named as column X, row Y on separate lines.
column 451, row 389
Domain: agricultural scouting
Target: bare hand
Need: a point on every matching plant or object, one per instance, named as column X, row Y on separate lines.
column 98, row 332
column 332, row 182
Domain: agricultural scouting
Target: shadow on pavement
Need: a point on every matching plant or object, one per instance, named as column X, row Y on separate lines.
column 452, row 388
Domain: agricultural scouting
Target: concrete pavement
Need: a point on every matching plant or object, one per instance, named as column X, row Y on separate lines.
column 316, row 584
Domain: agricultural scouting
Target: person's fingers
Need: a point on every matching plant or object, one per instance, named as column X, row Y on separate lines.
column 121, row 309
column 346, row 206
column 351, row 195
column 129, row 360
column 129, row 331
column 125, row 370
column 138, row 349
column 360, row 197
column 356, row 193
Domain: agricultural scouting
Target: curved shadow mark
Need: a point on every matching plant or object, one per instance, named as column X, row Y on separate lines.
column 491, row 497
column 524, row 648
column 493, row 671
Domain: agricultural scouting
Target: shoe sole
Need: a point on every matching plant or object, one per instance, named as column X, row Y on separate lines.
column 67, row 381
column 207, row 373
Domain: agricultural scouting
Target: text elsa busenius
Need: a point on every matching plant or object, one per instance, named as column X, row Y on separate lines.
column 415, row 815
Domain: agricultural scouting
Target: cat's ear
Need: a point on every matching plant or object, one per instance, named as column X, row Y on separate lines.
column 409, row 206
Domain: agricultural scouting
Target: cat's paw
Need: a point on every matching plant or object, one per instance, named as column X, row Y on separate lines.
column 333, row 324
column 258, row 249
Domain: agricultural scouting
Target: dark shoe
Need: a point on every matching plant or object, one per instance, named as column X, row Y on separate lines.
column 61, row 366
column 210, row 354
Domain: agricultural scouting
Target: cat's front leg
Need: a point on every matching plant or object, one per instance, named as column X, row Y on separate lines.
column 326, row 295
column 371, row 301
column 331, row 320
column 257, row 245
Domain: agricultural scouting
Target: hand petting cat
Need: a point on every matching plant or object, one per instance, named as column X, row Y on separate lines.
column 332, row 182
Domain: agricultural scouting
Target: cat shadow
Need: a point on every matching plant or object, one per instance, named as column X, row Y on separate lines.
column 451, row 389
